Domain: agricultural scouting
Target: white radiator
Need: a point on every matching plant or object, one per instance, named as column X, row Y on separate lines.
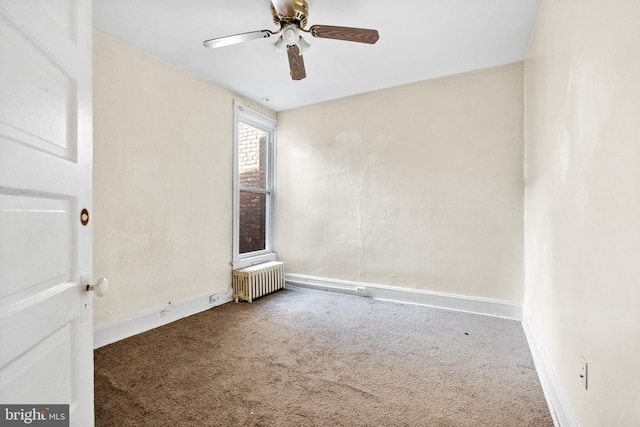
column 253, row 282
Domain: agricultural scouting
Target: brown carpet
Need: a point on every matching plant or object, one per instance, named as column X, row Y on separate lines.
column 301, row 357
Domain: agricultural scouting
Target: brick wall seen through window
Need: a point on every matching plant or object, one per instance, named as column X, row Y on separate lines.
column 252, row 162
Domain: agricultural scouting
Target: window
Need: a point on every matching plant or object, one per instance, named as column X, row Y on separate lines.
column 253, row 228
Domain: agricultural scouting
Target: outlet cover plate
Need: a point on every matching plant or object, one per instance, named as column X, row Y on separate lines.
column 584, row 374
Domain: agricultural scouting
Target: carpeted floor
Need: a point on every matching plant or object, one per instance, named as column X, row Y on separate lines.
column 300, row 357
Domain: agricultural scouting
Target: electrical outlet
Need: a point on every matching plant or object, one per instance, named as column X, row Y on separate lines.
column 214, row 298
column 584, row 374
column 361, row 291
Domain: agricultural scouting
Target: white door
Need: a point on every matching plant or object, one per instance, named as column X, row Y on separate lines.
column 46, row 351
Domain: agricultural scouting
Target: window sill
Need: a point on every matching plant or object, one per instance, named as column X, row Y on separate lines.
column 253, row 259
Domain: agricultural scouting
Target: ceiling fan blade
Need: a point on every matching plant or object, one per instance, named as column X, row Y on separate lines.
column 360, row 35
column 284, row 7
column 237, row 38
column 296, row 63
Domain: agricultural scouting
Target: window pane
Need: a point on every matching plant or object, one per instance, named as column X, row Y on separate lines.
column 252, row 157
column 253, row 219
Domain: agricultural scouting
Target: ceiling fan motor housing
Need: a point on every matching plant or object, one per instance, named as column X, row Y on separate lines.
column 299, row 19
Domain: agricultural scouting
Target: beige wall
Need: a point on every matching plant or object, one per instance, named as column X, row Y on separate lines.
column 163, row 143
column 417, row 186
column 583, row 202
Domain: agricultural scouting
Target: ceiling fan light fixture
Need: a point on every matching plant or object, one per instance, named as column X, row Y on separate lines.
column 290, row 35
column 303, row 45
column 278, row 46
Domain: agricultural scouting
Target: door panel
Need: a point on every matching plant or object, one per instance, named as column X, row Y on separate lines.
column 45, row 181
column 42, row 354
column 40, row 96
column 37, row 229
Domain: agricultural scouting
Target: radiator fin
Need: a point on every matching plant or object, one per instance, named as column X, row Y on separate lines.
column 258, row 280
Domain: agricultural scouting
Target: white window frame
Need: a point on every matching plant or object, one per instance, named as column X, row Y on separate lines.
column 243, row 114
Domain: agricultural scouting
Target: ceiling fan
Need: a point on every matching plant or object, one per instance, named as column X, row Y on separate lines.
column 290, row 19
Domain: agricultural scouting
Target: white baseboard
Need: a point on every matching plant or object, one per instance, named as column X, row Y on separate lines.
column 489, row 307
column 125, row 327
column 561, row 412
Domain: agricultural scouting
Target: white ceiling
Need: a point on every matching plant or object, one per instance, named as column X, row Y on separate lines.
column 419, row 40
